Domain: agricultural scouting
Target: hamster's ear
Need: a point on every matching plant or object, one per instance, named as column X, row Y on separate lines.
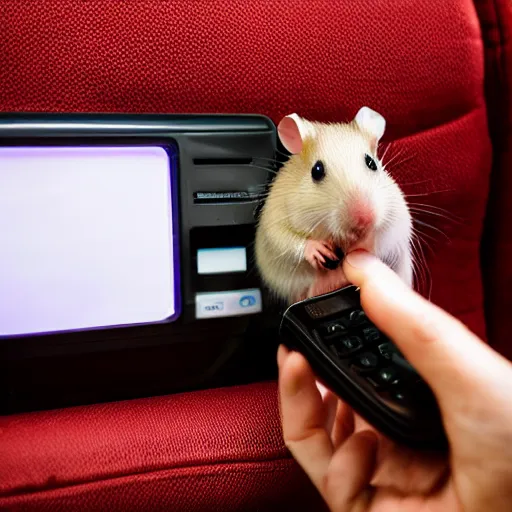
column 371, row 122
column 293, row 131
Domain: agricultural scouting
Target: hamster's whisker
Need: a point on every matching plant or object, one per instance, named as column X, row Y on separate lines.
column 272, row 171
column 425, row 224
column 394, row 157
column 421, row 237
column 417, row 262
column 317, row 224
column 421, row 244
column 385, row 152
column 305, row 213
column 423, row 233
column 273, row 160
column 281, row 153
column 432, row 208
column 436, row 214
column 396, row 164
column 430, row 193
column 415, row 183
column 423, row 275
column 417, row 269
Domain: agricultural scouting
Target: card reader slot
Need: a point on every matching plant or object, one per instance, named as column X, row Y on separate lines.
column 235, row 196
column 222, row 161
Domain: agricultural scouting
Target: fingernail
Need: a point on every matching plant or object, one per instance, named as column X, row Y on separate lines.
column 323, row 390
column 360, row 259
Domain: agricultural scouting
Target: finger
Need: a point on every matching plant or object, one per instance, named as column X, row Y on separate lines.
column 361, row 424
column 313, row 262
column 347, row 486
column 440, row 347
column 304, row 417
column 343, row 424
column 330, row 401
column 319, row 257
column 407, row 471
column 340, row 417
column 282, row 353
column 328, row 253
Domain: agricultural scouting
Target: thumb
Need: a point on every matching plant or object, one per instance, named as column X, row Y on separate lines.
column 450, row 358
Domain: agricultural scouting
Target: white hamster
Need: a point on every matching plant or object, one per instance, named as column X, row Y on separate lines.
column 332, row 196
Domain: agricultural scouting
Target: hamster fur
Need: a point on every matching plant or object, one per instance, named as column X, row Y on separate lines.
column 332, row 192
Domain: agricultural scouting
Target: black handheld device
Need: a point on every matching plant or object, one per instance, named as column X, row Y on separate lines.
column 364, row 368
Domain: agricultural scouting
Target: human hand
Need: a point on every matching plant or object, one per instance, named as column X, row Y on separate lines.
column 357, row 469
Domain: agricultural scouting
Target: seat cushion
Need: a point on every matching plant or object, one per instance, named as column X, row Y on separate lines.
column 212, row 450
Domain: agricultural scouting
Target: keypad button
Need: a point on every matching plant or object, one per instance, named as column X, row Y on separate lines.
column 351, row 343
column 392, row 354
column 366, row 361
column 334, row 328
column 371, row 334
column 387, row 350
column 387, row 375
column 357, row 317
column 400, row 396
column 347, row 345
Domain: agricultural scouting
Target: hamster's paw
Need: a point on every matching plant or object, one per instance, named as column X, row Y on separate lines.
column 317, row 251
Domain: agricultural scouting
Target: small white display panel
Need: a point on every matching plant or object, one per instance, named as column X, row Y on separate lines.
column 86, row 238
column 221, row 260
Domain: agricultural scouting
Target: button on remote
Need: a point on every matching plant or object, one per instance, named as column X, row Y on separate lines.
column 347, row 345
column 334, row 328
column 391, row 353
column 357, row 317
column 366, row 361
column 400, row 396
column 371, row 334
column 387, row 375
column 388, row 349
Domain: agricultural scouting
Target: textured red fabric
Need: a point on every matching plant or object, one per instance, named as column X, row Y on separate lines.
column 263, row 486
column 496, row 19
column 419, row 63
column 200, row 448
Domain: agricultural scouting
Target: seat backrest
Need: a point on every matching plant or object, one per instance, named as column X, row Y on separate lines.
column 496, row 23
column 420, row 64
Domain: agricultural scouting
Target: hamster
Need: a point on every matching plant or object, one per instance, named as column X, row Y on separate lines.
column 331, row 197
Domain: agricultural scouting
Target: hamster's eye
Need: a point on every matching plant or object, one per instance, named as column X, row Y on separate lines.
column 370, row 163
column 318, row 171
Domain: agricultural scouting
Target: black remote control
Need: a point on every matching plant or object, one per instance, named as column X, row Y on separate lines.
column 364, row 368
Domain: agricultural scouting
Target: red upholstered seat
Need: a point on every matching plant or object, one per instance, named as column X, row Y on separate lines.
column 216, row 450
column 438, row 70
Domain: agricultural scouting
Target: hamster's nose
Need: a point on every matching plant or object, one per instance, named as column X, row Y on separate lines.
column 361, row 216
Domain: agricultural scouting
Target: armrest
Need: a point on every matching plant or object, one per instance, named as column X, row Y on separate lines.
column 218, row 449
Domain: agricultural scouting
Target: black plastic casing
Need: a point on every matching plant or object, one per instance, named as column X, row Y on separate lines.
column 216, row 154
column 422, row 429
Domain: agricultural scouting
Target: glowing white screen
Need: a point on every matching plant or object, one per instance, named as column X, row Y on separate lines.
column 221, row 260
column 86, row 238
